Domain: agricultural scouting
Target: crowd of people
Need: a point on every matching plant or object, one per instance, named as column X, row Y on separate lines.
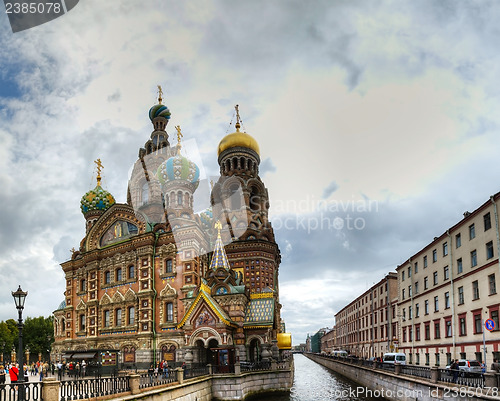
column 42, row 369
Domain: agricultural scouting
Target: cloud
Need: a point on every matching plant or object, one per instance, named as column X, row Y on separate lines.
column 330, row 189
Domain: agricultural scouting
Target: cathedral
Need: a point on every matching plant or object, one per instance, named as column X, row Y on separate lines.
column 154, row 280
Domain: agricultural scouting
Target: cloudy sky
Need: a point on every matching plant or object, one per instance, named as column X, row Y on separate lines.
column 377, row 123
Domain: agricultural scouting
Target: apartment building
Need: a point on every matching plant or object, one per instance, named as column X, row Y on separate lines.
column 368, row 326
column 448, row 290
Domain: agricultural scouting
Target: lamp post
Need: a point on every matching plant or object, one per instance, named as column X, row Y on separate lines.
column 19, row 298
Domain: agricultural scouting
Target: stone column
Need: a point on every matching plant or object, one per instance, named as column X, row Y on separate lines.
column 180, row 375
column 50, row 389
column 210, row 370
column 397, row 368
column 134, row 383
column 434, row 374
column 490, row 379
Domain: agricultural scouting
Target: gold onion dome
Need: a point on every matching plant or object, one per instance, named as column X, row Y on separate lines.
column 238, row 139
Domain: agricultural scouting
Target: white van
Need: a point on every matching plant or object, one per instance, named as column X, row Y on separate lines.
column 395, row 357
column 339, row 354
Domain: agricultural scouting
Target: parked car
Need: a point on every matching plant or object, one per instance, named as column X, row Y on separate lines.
column 467, row 366
column 395, row 357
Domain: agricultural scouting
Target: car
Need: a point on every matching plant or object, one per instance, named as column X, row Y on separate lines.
column 395, row 357
column 467, row 366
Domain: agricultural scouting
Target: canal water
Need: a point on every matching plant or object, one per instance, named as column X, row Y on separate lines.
column 314, row 382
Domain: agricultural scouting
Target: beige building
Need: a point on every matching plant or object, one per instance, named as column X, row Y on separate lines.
column 448, row 290
column 329, row 341
column 367, row 327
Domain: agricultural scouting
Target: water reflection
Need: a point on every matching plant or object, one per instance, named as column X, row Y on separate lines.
column 313, row 382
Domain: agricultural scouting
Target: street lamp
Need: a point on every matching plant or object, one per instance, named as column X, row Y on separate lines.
column 19, row 298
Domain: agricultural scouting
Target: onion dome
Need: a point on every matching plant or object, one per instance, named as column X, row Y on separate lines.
column 206, row 217
column 178, row 168
column 238, row 139
column 159, row 110
column 97, row 199
column 61, row 306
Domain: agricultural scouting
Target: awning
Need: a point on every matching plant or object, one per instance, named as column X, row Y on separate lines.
column 66, row 356
column 84, row 355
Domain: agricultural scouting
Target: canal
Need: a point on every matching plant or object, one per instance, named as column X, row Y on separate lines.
column 314, row 382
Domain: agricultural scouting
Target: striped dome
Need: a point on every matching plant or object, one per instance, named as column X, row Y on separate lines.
column 178, row 168
column 159, row 110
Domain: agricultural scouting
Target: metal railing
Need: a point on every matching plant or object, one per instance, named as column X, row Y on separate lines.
column 461, row 377
column 414, row 370
column 32, row 391
column 157, row 379
column 222, row 369
column 255, row 366
column 90, row 388
column 195, row 371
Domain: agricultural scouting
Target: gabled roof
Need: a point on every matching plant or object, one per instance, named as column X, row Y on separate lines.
column 204, row 296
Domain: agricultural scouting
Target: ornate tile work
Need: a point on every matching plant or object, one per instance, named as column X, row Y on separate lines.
column 219, row 258
column 260, row 312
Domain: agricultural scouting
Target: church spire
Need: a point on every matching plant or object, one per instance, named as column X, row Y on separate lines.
column 219, row 257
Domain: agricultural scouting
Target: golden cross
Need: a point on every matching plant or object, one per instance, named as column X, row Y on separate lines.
column 179, row 134
column 237, row 125
column 99, row 168
column 160, row 94
column 72, row 250
column 218, row 226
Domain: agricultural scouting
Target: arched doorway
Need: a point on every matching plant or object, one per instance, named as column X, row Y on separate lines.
column 211, row 354
column 254, row 350
column 200, row 354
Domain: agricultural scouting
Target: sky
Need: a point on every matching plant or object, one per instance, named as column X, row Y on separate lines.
column 377, row 123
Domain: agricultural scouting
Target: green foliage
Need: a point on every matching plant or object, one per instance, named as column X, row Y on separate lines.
column 38, row 335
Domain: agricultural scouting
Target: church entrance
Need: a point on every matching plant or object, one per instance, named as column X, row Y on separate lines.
column 254, row 350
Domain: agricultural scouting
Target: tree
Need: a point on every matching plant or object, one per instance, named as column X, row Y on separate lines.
column 38, row 334
column 8, row 336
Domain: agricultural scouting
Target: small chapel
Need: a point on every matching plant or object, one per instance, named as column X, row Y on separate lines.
column 152, row 280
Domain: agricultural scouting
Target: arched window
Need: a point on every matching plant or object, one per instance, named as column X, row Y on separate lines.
column 82, row 284
column 118, row 317
column 107, row 277
column 168, row 266
column 254, row 199
column 169, row 316
column 131, row 315
column 179, row 198
column 145, row 193
column 106, row 318
column 82, row 322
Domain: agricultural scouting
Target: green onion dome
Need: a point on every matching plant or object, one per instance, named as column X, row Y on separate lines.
column 96, row 199
column 159, row 110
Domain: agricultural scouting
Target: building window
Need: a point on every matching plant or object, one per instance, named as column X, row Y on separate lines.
column 131, row 272
column 460, row 295
column 434, row 256
column 446, row 300
column 168, row 266
column 402, row 276
column 426, row 307
column 131, row 315
column 417, row 333
column 107, row 277
column 426, row 282
column 494, row 317
column 416, row 267
column 473, row 258
column 425, row 261
column 409, row 291
column 492, row 284
column 410, row 312
column 404, row 334
column 417, row 310
column 106, row 318
column 427, row 331
column 478, row 327
column 437, row 330
column 427, row 359
column 460, row 268
column 416, row 287
column 435, row 277
column 82, row 322
column 445, row 249
column 448, row 328
column 475, row 290
column 410, row 333
column 118, row 317
column 458, row 240
column 489, row 250
column 179, row 198
column 119, row 274
column 436, row 304
column 409, row 271
column 82, row 285
column 462, row 325
column 170, row 312
column 446, row 272
column 487, row 221
column 472, row 232
column 403, row 293
column 437, row 359
column 404, row 314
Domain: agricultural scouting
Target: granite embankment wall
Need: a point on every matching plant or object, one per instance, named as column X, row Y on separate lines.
column 379, row 383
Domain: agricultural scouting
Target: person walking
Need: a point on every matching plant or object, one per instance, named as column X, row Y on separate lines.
column 2, row 374
column 455, row 369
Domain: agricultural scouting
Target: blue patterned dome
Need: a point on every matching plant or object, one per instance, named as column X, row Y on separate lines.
column 159, row 110
column 178, row 168
column 206, row 217
column 96, row 199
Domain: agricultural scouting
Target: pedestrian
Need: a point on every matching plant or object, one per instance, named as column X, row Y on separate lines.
column 455, row 370
column 14, row 373
column 2, row 374
column 150, row 373
column 495, row 366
